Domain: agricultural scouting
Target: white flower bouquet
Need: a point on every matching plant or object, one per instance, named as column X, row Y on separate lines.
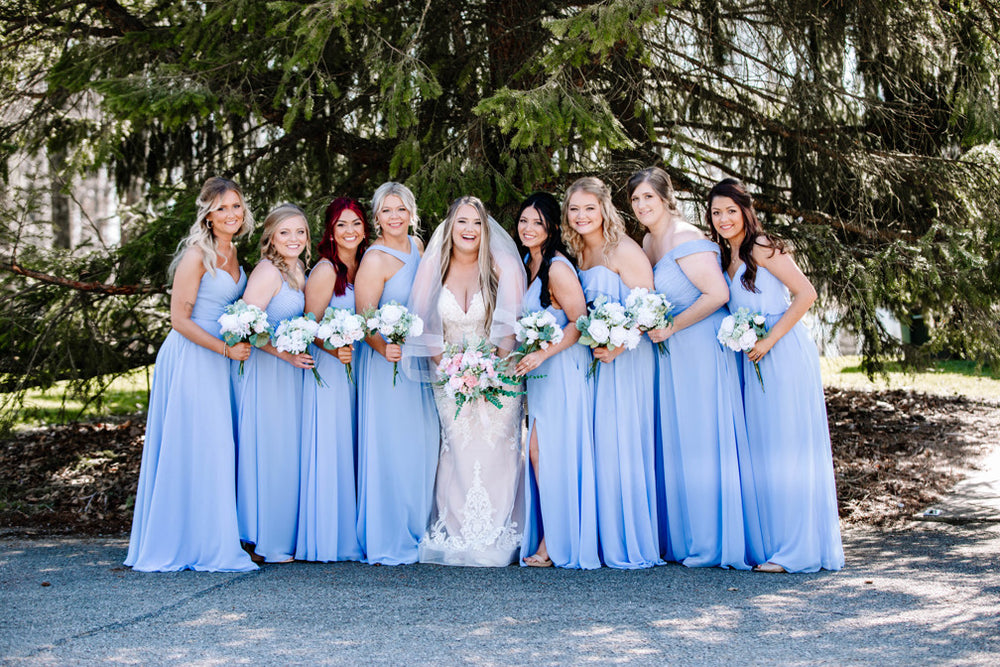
column 473, row 372
column 395, row 323
column 649, row 310
column 338, row 328
column 741, row 331
column 295, row 335
column 240, row 322
column 536, row 331
column 607, row 324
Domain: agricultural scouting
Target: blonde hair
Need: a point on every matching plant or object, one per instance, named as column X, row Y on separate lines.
column 613, row 225
column 278, row 215
column 489, row 281
column 405, row 195
column 201, row 235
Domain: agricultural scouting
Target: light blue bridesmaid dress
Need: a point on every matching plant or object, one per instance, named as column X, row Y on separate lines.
column 624, row 450
column 185, row 505
column 269, row 400
column 398, row 437
column 562, row 506
column 707, row 507
column 789, row 439
column 328, row 510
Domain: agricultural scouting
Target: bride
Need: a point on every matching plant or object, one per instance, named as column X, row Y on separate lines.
column 469, row 288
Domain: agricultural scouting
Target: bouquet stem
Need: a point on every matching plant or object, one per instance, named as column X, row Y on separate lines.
column 350, row 375
column 319, row 379
column 395, row 372
column 240, row 372
column 756, row 367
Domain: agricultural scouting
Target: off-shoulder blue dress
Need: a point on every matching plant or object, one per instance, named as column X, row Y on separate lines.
column 185, row 504
column 789, row 439
column 328, row 509
column 624, row 449
column 707, row 508
column 562, row 506
column 398, row 436
column 269, row 405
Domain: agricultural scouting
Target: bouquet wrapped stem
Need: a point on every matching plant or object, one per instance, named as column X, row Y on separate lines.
column 649, row 310
column 241, row 322
column 339, row 328
column 395, row 323
column 295, row 335
column 607, row 324
column 741, row 331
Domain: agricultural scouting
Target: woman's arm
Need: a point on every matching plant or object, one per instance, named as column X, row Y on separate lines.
column 319, row 291
column 368, row 286
column 183, row 294
column 803, row 295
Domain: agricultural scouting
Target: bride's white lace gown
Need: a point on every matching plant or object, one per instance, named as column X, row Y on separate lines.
column 478, row 495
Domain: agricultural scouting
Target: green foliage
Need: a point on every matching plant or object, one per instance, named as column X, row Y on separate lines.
column 865, row 130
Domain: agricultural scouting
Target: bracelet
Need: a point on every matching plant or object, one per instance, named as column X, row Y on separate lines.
column 225, row 350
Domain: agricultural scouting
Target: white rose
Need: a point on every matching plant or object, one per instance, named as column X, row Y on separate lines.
column 759, row 319
column 618, row 336
column 391, row 313
column 598, row 330
column 747, row 340
column 416, row 327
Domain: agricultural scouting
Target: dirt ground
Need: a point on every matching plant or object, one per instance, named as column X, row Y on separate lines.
column 895, row 453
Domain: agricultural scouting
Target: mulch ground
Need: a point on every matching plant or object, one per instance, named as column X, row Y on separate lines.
column 895, row 453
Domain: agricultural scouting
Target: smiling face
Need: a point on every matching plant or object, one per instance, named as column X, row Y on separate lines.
column 583, row 212
column 348, row 230
column 727, row 219
column 467, row 230
column 648, row 207
column 393, row 217
column 531, row 228
column 290, row 238
column 226, row 215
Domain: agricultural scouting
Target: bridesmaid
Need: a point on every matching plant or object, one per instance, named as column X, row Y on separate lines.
column 397, row 425
column 327, row 496
column 185, row 505
column 560, row 491
column 612, row 264
column 787, row 426
column 703, row 464
column 269, row 396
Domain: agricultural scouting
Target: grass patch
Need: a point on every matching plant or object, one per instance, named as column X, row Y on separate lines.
column 943, row 378
column 126, row 394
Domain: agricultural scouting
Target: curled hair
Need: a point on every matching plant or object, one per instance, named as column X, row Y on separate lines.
column 548, row 208
column 328, row 244
column 753, row 234
column 201, row 235
column 405, row 195
column 278, row 215
column 659, row 181
column 489, row 281
column 612, row 225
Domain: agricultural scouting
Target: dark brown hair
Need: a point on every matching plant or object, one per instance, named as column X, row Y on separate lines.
column 752, row 232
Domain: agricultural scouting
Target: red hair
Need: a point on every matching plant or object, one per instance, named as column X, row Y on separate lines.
column 328, row 246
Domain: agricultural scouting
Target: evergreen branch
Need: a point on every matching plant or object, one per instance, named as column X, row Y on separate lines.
column 13, row 267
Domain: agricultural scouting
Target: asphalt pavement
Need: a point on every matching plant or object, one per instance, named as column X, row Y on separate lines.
column 928, row 594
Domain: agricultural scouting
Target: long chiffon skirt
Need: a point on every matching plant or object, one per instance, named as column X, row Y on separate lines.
column 562, row 504
column 185, row 505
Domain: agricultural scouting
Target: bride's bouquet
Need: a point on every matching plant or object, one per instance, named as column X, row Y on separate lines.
column 607, row 324
column 395, row 323
column 468, row 373
column 741, row 331
column 240, row 322
column 338, row 328
column 295, row 335
column 649, row 310
column 536, row 331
